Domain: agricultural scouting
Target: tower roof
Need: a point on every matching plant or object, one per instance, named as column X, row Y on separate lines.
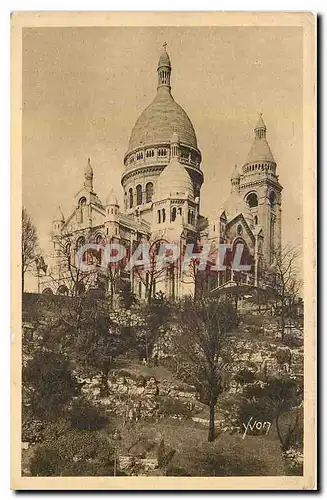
column 260, row 150
column 260, row 123
column 58, row 216
column 235, row 174
column 111, row 198
column 174, row 181
column 162, row 117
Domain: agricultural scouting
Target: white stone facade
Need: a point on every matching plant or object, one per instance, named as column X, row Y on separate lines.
column 162, row 189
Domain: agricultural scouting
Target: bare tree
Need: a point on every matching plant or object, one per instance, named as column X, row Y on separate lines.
column 29, row 244
column 69, row 273
column 202, row 343
column 154, row 273
column 283, row 276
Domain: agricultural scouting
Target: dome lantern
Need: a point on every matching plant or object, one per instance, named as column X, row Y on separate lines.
column 164, row 69
column 174, row 145
column 260, row 129
column 235, row 179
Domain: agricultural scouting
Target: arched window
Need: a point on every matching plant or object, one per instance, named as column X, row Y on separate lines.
column 173, row 214
column 149, row 192
column 252, row 200
column 179, row 210
column 80, row 242
column 272, row 198
column 163, row 215
column 81, row 205
column 130, row 197
column 158, row 216
column 98, row 239
column 256, row 220
column 139, row 194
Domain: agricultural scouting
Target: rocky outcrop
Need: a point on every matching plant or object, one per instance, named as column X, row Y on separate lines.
column 138, row 397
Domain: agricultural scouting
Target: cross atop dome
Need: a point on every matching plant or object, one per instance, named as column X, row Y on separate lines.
column 165, row 46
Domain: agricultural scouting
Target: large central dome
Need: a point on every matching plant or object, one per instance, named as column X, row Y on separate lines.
column 150, row 149
column 163, row 117
column 160, row 120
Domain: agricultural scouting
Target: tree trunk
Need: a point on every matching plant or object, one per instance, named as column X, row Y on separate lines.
column 104, row 383
column 211, row 434
column 283, row 323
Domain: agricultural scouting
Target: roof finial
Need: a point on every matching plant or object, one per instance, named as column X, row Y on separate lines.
column 88, row 174
column 165, row 46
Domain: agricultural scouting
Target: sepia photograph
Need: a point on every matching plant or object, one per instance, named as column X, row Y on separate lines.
column 163, row 251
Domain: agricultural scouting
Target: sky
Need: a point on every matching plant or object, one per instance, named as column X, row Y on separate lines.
column 84, row 88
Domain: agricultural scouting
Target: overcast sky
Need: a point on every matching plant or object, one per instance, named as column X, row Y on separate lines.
column 84, row 88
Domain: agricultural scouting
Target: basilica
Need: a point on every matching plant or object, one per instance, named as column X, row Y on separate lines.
column 161, row 184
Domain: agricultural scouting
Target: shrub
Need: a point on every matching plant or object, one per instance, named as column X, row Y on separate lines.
column 32, row 429
column 45, row 462
column 169, row 406
column 292, row 341
column 85, row 416
column 245, row 376
column 52, row 382
column 229, row 456
column 75, row 453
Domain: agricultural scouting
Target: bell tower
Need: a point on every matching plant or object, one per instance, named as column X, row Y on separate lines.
column 260, row 187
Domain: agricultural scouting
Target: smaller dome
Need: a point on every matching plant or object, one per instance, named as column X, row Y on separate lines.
column 235, row 205
column 174, row 181
column 112, row 198
column 58, row 216
column 260, row 150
